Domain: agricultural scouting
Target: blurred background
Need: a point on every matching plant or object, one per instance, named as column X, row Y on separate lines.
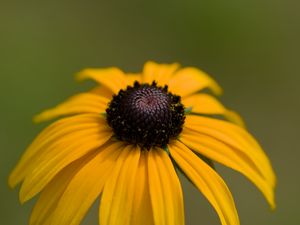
column 250, row 47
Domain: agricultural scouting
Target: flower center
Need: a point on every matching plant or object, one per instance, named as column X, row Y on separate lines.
column 146, row 114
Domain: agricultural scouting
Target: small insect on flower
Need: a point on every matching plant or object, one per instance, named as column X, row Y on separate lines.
column 124, row 140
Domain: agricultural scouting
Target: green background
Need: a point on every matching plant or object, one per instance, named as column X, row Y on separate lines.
column 250, row 47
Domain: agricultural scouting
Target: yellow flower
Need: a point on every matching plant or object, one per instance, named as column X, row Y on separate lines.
column 124, row 141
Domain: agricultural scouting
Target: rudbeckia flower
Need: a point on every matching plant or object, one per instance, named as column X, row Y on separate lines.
column 125, row 142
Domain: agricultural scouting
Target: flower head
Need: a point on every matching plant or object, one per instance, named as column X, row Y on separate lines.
column 124, row 141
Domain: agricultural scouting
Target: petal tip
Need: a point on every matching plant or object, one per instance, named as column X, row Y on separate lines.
column 235, row 118
column 273, row 207
column 272, row 204
column 26, row 193
column 13, row 178
column 271, row 200
column 37, row 118
column 217, row 89
column 11, row 182
column 22, row 198
column 81, row 75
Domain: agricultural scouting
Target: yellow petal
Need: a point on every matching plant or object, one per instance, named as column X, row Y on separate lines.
column 207, row 181
column 236, row 137
column 190, row 80
column 224, row 154
column 132, row 77
column 49, row 198
column 60, row 154
column 107, row 93
column 204, row 104
column 86, row 186
column 51, row 137
column 235, row 118
column 165, row 190
column 103, row 91
column 142, row 210
column 117, row 198
column 78, row 104
column 112, row 78
column 207, row 104
column 160, row 73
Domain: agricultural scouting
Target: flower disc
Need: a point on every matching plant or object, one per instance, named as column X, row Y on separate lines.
column 146, row 114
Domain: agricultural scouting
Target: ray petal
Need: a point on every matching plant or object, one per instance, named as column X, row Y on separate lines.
column 165, row 190
column 236, row 137
column 132, row 77
column 78, row 104
column 58, row 155
column 160, row 73
column 206, row 104
column 103, row 91
column 49, row 198
column 142, row 210
column 112, row 78
column 86, row 185
column 228, row 156
column 207, row 181
column 234, row 117
column 203, row 103
column 52, row 136
column 117, row 199
column 189, row 80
